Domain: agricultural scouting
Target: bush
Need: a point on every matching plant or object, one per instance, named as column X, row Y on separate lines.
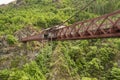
column 114, row 74
column 11, row 39
column 4, row 74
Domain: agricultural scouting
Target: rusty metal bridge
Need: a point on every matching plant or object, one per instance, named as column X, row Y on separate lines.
column 106, row 26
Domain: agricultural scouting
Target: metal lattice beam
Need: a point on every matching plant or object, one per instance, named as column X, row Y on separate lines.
column 106, row 26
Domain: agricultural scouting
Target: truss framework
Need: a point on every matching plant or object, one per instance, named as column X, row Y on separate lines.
column 106, row 26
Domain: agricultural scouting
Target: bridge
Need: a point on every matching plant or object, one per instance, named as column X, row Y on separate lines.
column 106, row 26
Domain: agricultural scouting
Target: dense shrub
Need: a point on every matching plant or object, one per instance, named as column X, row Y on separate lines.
column 11, row 39
column 90, row 59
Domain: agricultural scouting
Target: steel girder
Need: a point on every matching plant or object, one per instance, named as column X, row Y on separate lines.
column 106, row 26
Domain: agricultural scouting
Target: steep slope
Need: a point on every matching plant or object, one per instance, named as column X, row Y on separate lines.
column 15, row 54
column 59, row 69
column 67, row 60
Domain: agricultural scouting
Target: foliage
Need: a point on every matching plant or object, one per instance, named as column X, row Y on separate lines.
column 90, row 59
column 11, row 39
column 114, row 74
column 29, row 72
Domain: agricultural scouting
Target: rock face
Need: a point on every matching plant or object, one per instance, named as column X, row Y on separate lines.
column 19, row 53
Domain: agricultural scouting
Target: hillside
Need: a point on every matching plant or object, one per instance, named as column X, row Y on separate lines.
column 95, row 59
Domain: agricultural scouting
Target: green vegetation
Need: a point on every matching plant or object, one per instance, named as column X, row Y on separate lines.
column 89, row 59
column 11, row 39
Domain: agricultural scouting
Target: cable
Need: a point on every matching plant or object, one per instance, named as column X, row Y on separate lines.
column 77, row 12
column 52, row 28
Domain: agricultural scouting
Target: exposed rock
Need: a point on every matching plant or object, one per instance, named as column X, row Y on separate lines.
column 9, row 53
column 19, row 3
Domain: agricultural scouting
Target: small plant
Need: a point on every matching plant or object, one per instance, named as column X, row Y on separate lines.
column 11, row 39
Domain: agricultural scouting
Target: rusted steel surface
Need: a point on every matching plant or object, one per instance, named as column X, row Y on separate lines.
column 106, row 26
column 39, row 37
